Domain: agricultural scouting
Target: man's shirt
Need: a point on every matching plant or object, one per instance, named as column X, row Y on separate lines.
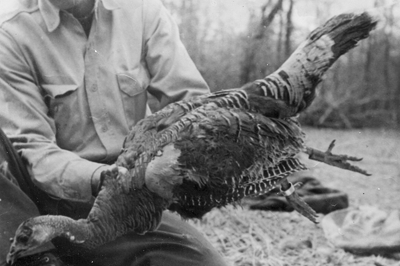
column 68, row 100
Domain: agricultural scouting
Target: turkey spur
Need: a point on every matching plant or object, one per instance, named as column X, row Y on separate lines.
column 210, row 151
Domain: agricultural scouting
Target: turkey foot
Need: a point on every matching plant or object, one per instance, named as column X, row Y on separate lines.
column 289, row 191
column 340, row 161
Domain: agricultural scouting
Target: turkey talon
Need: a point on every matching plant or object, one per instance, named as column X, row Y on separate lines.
column 331, row 146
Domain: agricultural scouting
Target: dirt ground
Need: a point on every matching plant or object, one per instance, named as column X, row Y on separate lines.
column 247, row 237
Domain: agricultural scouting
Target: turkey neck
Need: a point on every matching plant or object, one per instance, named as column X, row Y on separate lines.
column 116, row 213
column 76, row 231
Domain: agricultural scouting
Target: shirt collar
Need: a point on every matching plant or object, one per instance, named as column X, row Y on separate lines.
column 51, row 14
column 111, row 4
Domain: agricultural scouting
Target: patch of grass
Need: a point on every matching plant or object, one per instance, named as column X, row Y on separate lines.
column 247, row 237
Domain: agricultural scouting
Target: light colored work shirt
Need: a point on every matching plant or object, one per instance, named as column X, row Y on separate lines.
column 68, row 100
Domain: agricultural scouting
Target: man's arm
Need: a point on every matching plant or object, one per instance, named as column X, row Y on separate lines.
column 24, row 118
column 173, row 74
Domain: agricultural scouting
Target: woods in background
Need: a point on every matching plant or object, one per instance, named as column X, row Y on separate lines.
column 234, row 42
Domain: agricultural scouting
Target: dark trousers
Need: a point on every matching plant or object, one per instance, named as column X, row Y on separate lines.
column 174, row 243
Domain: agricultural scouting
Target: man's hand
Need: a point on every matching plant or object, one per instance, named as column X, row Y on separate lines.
column 123, row 178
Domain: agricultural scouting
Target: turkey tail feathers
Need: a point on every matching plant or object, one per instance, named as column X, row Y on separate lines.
column 346, row 31
column 295, row 81
column 291, row 88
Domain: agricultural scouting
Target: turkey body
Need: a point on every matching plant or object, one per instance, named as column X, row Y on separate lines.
column 214, row 154
column 203, row 160
column 215, row 149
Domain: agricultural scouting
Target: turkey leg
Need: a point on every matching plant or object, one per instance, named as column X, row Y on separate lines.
column 340, row 161
column 289, row 191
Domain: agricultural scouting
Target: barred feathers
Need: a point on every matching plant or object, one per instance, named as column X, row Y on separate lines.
column 194, row 201
column 223, row 150
column 220, row 147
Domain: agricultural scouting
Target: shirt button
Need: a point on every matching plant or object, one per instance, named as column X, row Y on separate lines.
column 104, row 128
column 93, row 88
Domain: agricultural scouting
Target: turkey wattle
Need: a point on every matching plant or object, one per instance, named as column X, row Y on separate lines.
column 210, row 151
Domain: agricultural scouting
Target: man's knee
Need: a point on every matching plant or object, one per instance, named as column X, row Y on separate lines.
column 174, row 243
column 12, row 166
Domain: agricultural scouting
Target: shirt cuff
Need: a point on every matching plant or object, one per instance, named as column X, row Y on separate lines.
column 95, row 179
column 76, row 184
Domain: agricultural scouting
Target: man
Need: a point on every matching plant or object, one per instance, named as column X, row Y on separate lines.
column 74, row 77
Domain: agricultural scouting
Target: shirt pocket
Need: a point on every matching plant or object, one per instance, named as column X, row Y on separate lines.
column 134, row 97
column 55, row 91
column 61, row 101
column 57, row 95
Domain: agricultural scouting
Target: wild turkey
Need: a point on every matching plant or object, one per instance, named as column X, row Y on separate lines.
column 210, row 151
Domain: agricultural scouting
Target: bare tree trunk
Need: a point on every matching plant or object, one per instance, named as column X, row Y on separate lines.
column 248, row 62
column 250, row 53
column 279, row 51
column 289, row 29
column 367, row 69
column 393, row 103
column 267, row 20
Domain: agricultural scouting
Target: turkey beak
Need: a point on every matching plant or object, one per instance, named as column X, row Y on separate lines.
column 12, row 256
column 15, row 253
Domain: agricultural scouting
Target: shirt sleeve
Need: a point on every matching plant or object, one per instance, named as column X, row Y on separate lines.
column 25, row 120
column 173, row 74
